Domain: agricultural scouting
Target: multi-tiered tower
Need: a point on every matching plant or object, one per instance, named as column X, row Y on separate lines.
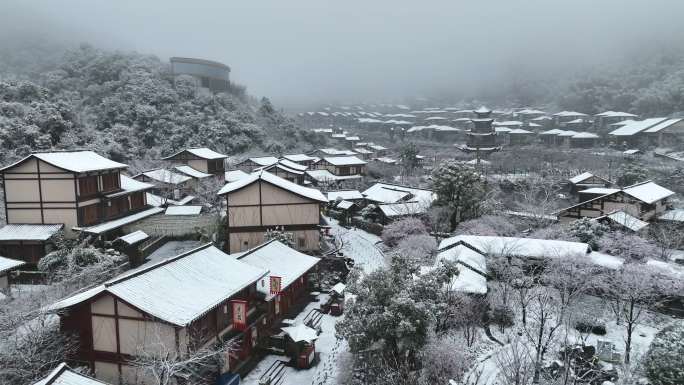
column 482, row 137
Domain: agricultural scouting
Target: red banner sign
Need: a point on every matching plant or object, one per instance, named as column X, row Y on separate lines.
column 239, row 314
column 275, row 284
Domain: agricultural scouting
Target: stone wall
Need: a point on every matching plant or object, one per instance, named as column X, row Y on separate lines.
column 174, row 225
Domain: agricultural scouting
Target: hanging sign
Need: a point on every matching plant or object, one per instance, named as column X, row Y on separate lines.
column 275, row 284
column 239, row 314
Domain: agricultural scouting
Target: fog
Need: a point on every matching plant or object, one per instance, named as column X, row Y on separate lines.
column 307, row 52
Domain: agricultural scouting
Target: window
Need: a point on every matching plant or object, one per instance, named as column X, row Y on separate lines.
column 301, row 242
column 87, row 186
column 110, row 182
column 116, row 207
column 89, row 214
column 137, row 200
column 214, row 166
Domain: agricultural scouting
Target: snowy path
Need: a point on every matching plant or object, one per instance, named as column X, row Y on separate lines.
column 359, row 246
column 328, row 347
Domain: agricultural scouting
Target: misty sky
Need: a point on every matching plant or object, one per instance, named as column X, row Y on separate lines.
column 302, row 52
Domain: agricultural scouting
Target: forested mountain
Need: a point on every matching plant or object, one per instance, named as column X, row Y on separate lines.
column 652, row 85
column 126, row 106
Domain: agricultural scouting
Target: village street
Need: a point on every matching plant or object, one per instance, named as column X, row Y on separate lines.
column 359, row 245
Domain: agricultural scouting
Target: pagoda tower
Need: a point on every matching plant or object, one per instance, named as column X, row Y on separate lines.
column 482, row 137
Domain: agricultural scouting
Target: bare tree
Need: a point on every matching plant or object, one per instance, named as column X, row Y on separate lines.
column 544, row 322
column 571, row 277
column 515, row 362
column 537, row 197
column 165, row 365
column 631, row 289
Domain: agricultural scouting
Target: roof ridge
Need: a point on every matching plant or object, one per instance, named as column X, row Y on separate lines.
column 638, row 184
column 252, row 250
column 404, row 186
column 155, row 265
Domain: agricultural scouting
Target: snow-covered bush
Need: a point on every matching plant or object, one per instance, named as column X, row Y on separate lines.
column 631, row 247
column 588, row 231
column 398, row 230
column 664, row 363
column 418, row 246
column 492, row 225
column 445, row 359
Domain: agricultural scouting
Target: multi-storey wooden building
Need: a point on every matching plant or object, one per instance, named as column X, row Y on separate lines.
column 645, row 201
column 201, row 159
column 250, row 164
column 263, row 201
column 194, row 300
column 74, row 188
column 342, row 165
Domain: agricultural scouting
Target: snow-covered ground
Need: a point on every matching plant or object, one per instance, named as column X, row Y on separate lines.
column 641, row 338
column 328, row 347
column 359, row 245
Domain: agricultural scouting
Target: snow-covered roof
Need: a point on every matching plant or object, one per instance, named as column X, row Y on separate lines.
column 264, row 160
column 300, row 158
column 200, row 152
column 234, row 175
column 63, row 375
column 129, row 186
column 344, row 194
column 352, row 138
column 569, row 114
column 7, row 264
column 585, row 135
column 576, row 121
column 166, row 176
column 528, row 111
column 631, row 152
column 344, row 205
column 326, row 176
column 626, row 220
column 301, row 333
column 344, row 160
column 568, row 133
column 600, row 191
column 635, row 127
column 183, row 210
column 464, row 254
column 503, row 129
column 275, row 180
column 363, row 151
column 377, row 147
column 676, row 215
column 29, row 232
column 581, row 177
column 390, row 193
column 520, row 131
column 134, row 237
column 338, row 288
column 280, row 261
column 189, row 171
column 334, row 151
column 180, row 289
column 392, row 210
column 523, row 247
column 648, row 192
column 74, row 161
column 509, row 123
column 482, row 110
column 117, row 223
column 661, row 126
column 555, row 131
column 292, row 165
column 387, row 160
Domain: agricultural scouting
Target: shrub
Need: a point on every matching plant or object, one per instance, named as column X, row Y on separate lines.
column 585, row 326
column 398, row 230
column 664, row 362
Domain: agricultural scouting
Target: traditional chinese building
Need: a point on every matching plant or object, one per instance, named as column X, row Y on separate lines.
column 198, row 299
column 199, row 161
column 261, row 202
column 77, row 189
column 481, row 139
